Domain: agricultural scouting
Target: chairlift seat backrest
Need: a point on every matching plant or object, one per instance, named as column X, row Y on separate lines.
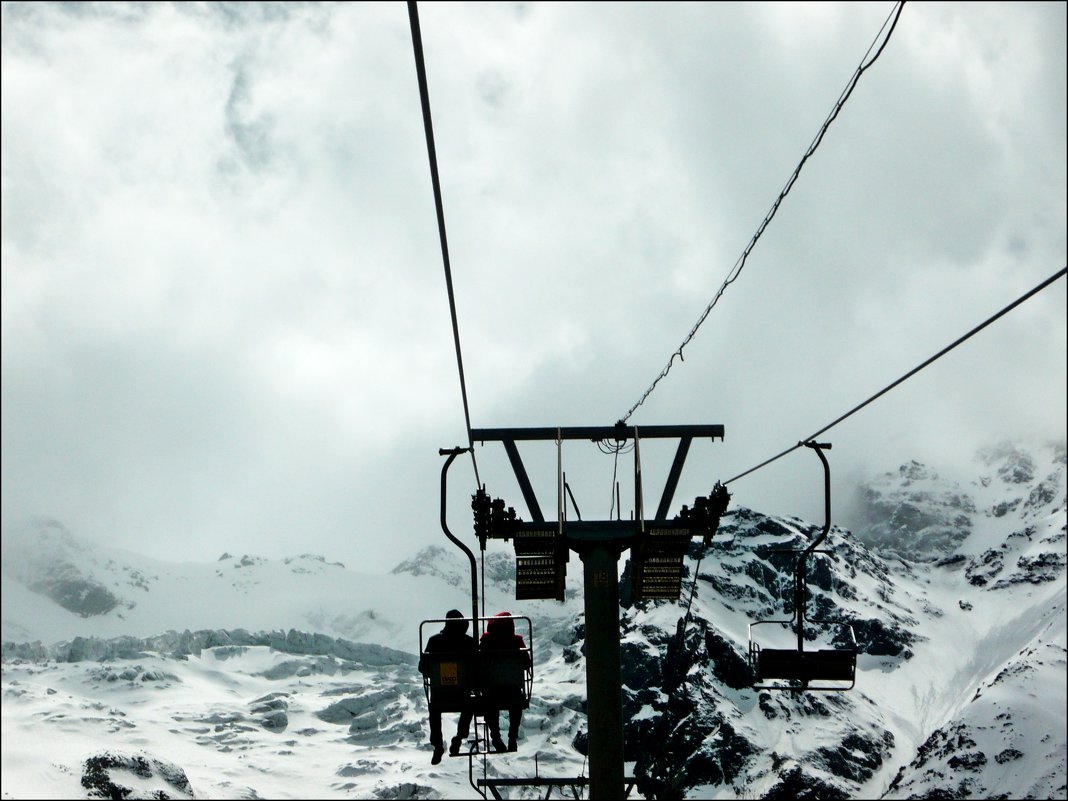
column 506, row 678
column 451, row 679
column 790, row 664
column 502, row 669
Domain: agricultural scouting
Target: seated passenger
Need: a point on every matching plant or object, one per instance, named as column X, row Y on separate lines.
column 500, row 637
column 452, row 639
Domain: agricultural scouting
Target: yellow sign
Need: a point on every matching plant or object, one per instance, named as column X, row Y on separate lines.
column 449, row 674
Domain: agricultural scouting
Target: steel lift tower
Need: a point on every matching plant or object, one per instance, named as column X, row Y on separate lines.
column 542, row 549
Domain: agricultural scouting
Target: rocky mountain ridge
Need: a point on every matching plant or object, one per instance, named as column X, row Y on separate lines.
column 960, row 689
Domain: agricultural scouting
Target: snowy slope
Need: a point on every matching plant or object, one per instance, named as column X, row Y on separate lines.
column 1002, row 688
column 238, row 722
column 208, row 652
column 296, row 678
column 936, row 635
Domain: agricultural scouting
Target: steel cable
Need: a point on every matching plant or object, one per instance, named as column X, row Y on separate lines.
column 424, row 97
column 736, row 270
column 909, row 374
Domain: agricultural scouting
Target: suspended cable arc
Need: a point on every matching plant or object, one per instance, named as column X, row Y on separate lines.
column 739, row 265
column 428, row 126
column 1026, row 296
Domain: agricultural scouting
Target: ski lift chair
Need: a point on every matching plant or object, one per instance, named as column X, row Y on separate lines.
column 478, row 681
column 804, row 667
column 798, row 667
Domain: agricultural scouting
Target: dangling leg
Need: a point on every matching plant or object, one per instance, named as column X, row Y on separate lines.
column 435, row 735
column 515, row 718
column 493, row 723
column 463, row 729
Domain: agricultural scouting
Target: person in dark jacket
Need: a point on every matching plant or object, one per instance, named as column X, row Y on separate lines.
column 453, row 639
column 500, row 637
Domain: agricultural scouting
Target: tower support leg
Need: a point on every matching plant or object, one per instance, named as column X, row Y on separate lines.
column 603, row 681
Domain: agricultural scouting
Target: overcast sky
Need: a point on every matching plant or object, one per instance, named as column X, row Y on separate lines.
column 225, row 324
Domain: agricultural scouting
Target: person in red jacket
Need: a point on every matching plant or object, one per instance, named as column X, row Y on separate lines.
column 500, row 637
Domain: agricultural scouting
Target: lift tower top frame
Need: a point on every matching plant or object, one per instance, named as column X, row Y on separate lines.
column 599, row 544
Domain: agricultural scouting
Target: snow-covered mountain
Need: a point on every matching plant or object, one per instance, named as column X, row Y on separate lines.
column 296, row 678
column 101, row 592
column 961, row 682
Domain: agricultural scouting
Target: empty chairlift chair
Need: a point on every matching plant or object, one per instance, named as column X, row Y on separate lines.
column 805, row 669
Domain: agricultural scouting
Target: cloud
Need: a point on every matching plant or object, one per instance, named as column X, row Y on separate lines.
column 224, row 315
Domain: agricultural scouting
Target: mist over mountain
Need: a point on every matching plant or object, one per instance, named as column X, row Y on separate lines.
column 259, row 678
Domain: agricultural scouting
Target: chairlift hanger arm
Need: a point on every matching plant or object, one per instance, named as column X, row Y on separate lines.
column 452, row 453
column 819, row 448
